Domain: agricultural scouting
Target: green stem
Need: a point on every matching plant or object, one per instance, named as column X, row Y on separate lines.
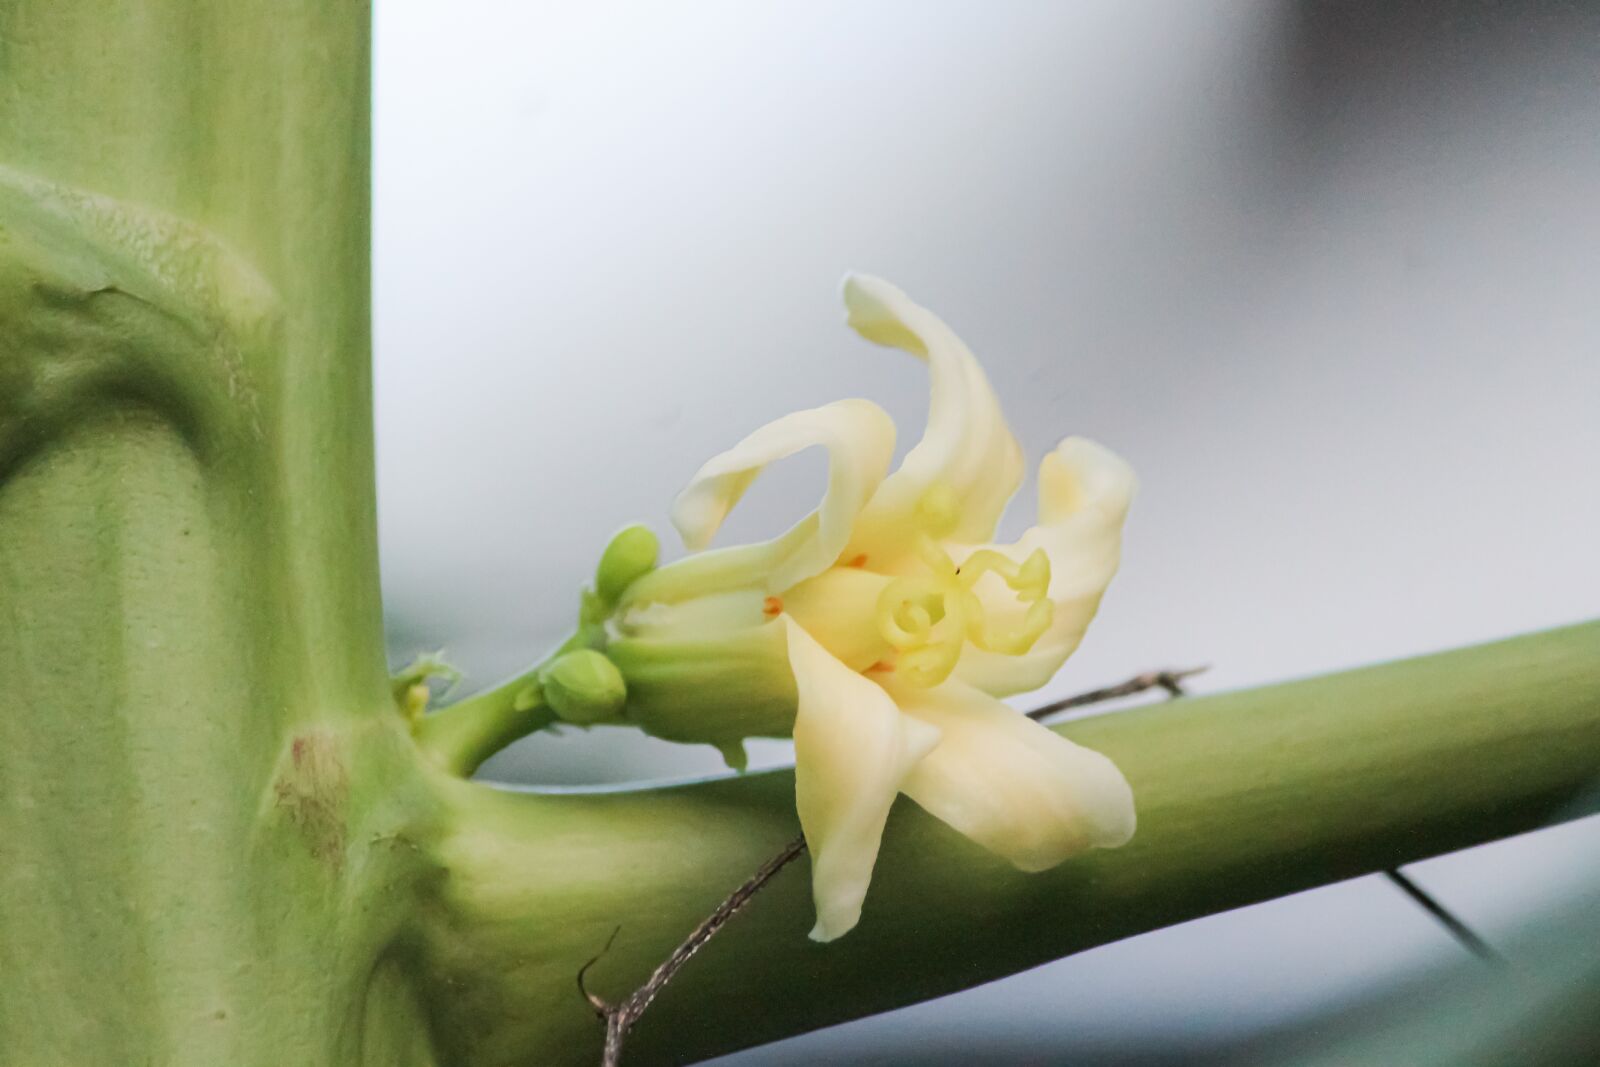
column 202, row 777
column 460, row 737
column 1242, row 797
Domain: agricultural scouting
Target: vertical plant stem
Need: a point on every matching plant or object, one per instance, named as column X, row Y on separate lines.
column 196, row 710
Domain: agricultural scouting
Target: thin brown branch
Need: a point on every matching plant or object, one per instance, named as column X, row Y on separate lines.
column 1171, row 681
column 601, row 1008
column 1464, row 934
column 621, row 1018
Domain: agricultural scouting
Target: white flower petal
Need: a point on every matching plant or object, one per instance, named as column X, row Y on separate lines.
column 1015, row 787
column 839, row 608
column 852, row 748
column 859, row 438
column 966, row 446
column 1084, row 493
column 1082, row 477
column 736, row 576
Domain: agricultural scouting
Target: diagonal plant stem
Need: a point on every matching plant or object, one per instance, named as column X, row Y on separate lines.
column 1172, row 682
column 1244, row 797
column 620, row 1018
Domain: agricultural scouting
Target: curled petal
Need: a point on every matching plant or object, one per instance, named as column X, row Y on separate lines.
column 859, row 437
column 1082, row 478
column 967, row 450
column 1084, row 493
column 852, row 748
column 1015, row 787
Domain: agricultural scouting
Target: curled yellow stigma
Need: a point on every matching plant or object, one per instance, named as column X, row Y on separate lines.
column 1030, row 580
column 927, row 618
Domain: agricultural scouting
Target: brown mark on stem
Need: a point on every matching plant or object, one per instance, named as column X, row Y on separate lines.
column 312, row 789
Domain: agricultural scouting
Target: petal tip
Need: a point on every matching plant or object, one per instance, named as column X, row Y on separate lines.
column 1079, row 474
column 1120, row 821
column 856, row 286
column 877, row 311
column 696, row 519
column 831, row 927
column 860, row 302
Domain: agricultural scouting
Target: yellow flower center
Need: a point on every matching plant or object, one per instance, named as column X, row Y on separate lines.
column 927, row 618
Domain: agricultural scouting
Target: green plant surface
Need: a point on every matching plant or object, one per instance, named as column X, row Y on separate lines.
column 200, row 777
column 1242, row 797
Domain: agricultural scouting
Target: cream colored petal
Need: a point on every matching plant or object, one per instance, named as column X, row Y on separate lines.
column 966, row 446
column 1084, row 494
column 859, row 438
column 852, row 749
column 735, row 576
column 1081, row 477
column 839, row 607
column 717, row 612
column 1015, row 787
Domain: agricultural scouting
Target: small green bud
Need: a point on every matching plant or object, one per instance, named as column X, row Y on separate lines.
column 734, row 755
column 583, row 687
column 410, row 686
column 631, row 554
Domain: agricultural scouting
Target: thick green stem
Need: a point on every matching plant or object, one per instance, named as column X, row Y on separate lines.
column 249, row 121
column 201, row 773
column 1241, row 797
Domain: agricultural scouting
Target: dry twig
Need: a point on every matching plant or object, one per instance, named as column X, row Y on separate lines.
column 620, row 1018
column 1464, row 934
column 1171, row 681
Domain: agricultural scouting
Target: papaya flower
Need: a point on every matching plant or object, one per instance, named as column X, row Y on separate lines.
column 881, row 631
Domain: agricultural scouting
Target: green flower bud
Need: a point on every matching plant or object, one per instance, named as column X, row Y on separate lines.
column 631, row 554
column 583, row 687
column 713, row 688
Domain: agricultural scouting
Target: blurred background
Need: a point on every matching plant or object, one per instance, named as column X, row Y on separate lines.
column 1325, row 273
